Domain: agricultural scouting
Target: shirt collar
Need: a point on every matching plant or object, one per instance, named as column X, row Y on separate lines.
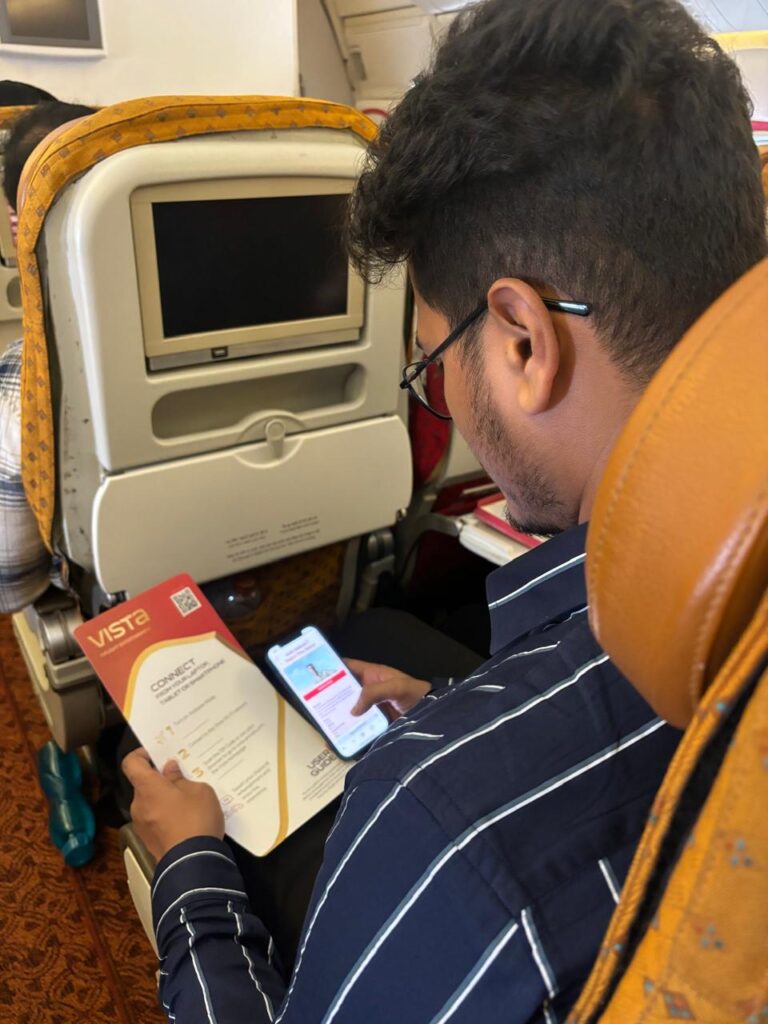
column 537, row 588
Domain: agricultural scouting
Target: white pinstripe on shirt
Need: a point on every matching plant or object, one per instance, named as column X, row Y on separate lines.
column 198, row 970
column 531, row 584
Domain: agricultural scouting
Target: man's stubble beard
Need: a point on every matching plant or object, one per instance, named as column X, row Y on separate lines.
column 535, row 506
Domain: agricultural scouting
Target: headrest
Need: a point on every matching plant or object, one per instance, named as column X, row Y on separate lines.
column 9, row 114
column 677, row 551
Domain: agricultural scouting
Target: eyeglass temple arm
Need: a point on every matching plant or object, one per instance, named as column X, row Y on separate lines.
column 566, row 306
column 557, row 305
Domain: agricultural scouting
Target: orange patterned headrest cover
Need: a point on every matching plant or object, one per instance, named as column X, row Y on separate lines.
column 677, row 553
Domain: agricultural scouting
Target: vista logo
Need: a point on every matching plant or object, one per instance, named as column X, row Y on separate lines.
column 122, row 627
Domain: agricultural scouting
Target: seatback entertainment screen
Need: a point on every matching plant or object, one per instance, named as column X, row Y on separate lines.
column 229, row 263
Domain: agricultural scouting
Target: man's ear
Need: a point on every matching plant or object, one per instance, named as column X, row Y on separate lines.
column 529, row 343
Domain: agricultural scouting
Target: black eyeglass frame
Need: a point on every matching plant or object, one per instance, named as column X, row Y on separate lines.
column 414, row 370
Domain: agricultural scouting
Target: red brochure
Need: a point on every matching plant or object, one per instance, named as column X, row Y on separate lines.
column 190, row 692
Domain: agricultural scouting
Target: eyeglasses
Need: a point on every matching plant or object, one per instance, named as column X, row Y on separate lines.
column 424, row 379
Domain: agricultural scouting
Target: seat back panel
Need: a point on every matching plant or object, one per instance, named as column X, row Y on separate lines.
column 216, row 514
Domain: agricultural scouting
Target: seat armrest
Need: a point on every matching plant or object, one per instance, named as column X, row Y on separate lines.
column 139, row 869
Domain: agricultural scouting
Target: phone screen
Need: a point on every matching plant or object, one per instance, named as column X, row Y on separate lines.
column 327, row 691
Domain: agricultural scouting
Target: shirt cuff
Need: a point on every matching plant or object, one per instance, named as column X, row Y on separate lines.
column 198, row 867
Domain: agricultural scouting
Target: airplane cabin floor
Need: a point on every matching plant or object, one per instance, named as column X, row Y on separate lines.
column 72, row 950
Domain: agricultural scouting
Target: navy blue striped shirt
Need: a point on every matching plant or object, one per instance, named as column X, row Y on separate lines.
column 478, row 852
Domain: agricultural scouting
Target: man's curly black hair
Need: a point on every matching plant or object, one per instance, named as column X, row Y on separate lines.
column 599, row 147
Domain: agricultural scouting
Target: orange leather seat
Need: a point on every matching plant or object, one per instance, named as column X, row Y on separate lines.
column 677, row 567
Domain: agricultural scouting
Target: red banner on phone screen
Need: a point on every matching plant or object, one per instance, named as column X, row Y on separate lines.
column 324, row 685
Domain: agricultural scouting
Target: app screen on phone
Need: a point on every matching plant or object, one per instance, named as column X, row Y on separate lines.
column 327, row 690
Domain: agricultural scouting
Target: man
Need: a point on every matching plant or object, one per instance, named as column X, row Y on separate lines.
column 26, row 567
column 571, row 186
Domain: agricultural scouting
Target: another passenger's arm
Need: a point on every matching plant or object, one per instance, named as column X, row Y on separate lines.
column 25, row 563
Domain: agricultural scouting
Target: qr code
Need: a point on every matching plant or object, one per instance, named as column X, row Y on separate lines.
column 185, row 601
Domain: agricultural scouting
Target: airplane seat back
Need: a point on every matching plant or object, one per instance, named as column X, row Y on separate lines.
column 677, row 567
column 10, row 291
column 222, row 388
column 169, row 403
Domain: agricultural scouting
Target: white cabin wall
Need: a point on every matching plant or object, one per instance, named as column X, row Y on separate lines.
column 157, row 47
column 321, row 64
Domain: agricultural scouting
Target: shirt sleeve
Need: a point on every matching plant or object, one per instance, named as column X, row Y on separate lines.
column 216, row 957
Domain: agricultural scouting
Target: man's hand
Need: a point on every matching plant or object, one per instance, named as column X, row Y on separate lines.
column 167, row 808
column 396, row 691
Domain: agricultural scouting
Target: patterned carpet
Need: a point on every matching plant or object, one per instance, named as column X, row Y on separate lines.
column 72, row 950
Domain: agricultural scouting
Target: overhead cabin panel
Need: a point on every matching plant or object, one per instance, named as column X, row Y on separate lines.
column 387, row 51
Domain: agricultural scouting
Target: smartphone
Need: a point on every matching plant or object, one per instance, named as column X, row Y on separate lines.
column 321, row 687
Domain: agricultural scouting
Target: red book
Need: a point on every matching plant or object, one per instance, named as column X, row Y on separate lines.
column 492, row 511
